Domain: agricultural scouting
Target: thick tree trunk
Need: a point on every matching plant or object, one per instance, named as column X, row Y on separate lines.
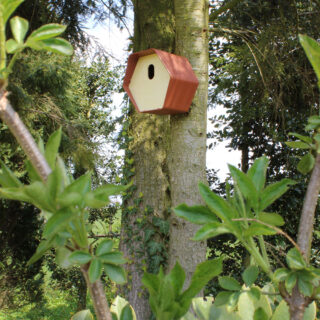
column 153, row 28
column 188, row 134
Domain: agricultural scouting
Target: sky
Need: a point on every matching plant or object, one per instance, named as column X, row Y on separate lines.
column 116, row 42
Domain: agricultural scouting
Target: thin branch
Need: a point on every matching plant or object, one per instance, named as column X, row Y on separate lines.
column 308, row 210
column 22, row 134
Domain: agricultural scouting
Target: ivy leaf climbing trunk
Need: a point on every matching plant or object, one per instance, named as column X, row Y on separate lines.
column 165, row 154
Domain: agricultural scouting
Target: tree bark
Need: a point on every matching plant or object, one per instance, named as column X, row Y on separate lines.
column 188, row 134
column 153, row 28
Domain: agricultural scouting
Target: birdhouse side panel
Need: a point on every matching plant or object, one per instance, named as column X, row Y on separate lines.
column 149, row 83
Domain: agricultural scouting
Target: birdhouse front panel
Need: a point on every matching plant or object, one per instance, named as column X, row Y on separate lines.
column 160, row 82
column 149, row 83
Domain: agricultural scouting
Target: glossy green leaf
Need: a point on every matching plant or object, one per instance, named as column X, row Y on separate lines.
column 115, row 273
column 250, row 275
column 260, row 314
column 257, row 172
column 204, row 272
column 210, row 230
column 312, row 50
column 216, row 204
column 229, row 283
column 271, row 218
column 19, row 28
column 117, row 307
column 47, row 31
column 7, row 178
column 195, row 214
column 12, row 46
column 306, row 163
column 52, row 147
column 8, row 7
column 105, row 246
column 80, row 257
column 95, row 270
column 295, row 259
column 83, row 315
column 113, row 258
column 245, row 184
column 176, row 278
column 274, row 191
column 57, row 222
column 298, row 144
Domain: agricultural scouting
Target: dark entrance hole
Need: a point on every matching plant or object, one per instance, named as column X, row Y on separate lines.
column 151, row 71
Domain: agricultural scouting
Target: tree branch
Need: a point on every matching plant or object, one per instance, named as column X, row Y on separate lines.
column 22, row 134
column 214, row 15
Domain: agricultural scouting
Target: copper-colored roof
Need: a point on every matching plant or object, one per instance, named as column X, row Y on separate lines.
column 182, row 85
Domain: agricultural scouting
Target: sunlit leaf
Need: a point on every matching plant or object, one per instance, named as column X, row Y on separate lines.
column 19, row 28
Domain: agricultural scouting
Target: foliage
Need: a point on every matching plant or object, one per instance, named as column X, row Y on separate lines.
column 167, row 300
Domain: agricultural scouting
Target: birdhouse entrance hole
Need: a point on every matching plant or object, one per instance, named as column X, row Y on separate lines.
column 151, row 71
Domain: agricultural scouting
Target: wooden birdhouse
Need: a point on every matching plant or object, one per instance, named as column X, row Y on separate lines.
column 160, row 82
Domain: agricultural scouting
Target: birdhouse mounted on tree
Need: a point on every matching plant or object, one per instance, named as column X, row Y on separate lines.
column 160, row 82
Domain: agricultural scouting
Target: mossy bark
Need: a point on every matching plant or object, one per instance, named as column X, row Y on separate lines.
column 187, row 165
column 153, row 28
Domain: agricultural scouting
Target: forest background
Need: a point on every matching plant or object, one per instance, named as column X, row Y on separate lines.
column 260, row 75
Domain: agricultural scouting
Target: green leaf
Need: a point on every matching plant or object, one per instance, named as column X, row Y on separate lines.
column 256, row 229
column 290, row 281
column 47, row 31
column 177, row 277
column 151, row 282
column 82, row 185
column 113, row 258
column 55, row 45
column 281, row 274
column 19, row 28
column 217, row 204
column 250, row 275
column 271, row 218
column 42, row 248
column 52, row 147
column 57, row 222
column 281, row 312
column 310, row 312
column 229, row 283
column 95, row 270
column 69, row 199
column 62, row 257
column 210, row 230
column 15, row 194
column 105, row 246
column 7, row 178
column 260, row 314
column 126, row 313
column 93, row 201
column 83, row 315
column 117, row 307
column 301, row 137
column 80, row 257
column 40, row 196
column 204, row 272
column 8, row 7
column 306, row 163
column 295, row 259
column 115, row 273
column 298, row 144
column 12, row 46
column 305, row 287
column 254, row 293
column 223, row 298
column 245, row 184
column 312, row 50
column 257, row 173
column 274, row 191
column 195, row 214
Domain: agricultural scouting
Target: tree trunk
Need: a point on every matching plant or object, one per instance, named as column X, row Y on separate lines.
column 188, row 134
column 153, row 28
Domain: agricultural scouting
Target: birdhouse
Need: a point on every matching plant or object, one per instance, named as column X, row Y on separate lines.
column 160, row 82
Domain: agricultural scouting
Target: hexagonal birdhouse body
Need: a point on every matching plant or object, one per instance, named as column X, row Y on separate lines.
column 160, row 82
